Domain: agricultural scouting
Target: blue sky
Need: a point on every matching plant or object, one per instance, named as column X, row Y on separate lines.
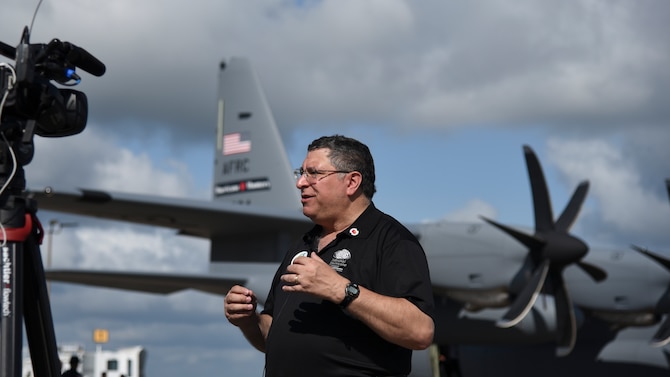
column 444, row 93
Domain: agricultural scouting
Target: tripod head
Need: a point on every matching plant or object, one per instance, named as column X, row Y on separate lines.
column 30, row 94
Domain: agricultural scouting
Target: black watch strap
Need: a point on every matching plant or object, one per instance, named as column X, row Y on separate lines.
column 350, row 293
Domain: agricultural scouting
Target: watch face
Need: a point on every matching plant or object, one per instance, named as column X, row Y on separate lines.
column 351, row 292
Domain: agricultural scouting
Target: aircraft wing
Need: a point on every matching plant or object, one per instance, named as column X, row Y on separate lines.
column 200, row 218
column 161, row 283
column 255, row 276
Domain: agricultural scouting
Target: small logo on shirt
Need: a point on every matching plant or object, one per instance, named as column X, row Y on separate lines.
column 342, row 254
column 353, row 231
column 340, row 260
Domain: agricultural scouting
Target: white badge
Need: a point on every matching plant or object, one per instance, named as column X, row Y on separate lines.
column 303, row 253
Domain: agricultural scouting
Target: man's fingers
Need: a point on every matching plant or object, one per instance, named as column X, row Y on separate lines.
column 241, row 308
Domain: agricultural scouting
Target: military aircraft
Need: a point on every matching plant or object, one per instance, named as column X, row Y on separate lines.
column 506, row 297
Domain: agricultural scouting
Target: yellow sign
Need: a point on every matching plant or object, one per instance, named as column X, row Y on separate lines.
column 100, row 335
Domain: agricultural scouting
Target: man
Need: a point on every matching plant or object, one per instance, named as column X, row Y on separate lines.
column 72, row 372
column 354, row 297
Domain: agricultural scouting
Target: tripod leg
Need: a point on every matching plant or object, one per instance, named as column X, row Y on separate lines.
column 37, row 314
column 11, row 311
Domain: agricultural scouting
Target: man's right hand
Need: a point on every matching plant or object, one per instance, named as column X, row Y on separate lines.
column 240, row 306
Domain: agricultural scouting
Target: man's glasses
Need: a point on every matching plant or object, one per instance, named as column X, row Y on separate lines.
column 312, row 175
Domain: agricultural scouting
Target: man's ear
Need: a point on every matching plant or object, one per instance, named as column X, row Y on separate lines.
column 354, row 181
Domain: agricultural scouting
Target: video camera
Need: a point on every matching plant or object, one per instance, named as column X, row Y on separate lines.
column 30, row 104
column 30, row 95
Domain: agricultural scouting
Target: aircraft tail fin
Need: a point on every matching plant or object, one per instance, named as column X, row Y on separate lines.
column 251, row 166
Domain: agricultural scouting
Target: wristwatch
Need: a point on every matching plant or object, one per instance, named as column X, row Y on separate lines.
column 350, row 293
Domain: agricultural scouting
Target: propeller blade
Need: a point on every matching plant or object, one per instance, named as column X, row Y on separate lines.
column 663, row 261
column 526, row 299
column 596, row 273
column 544, row 216
column 527, row 240
column 662, row 336
column 566, row 325
column 569, row 215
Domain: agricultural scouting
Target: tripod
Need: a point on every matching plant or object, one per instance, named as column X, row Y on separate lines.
column 23, row 285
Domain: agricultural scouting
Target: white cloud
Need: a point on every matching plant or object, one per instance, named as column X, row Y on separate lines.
column 136, row 173
column 472, row 212
column 97, row 160
column 615, row 184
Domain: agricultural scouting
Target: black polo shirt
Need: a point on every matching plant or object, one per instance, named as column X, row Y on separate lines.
column 314, row 337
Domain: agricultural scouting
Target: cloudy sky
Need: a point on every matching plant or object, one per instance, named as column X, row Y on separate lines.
column 445, row 93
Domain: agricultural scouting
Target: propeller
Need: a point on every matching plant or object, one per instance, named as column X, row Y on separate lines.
column 662, row 335
column 550, row 250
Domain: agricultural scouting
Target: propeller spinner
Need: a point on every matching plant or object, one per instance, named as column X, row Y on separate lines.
column 551, row 249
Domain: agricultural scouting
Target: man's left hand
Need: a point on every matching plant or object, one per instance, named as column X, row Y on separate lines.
column 314, row 276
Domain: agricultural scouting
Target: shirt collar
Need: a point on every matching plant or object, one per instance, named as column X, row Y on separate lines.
column 360, row 228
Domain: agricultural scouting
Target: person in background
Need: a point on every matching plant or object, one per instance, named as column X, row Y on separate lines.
column 72, row 372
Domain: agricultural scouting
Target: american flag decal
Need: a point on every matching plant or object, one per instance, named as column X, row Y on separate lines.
column 237, row 142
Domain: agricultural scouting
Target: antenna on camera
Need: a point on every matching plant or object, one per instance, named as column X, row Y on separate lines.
column 35, row 15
